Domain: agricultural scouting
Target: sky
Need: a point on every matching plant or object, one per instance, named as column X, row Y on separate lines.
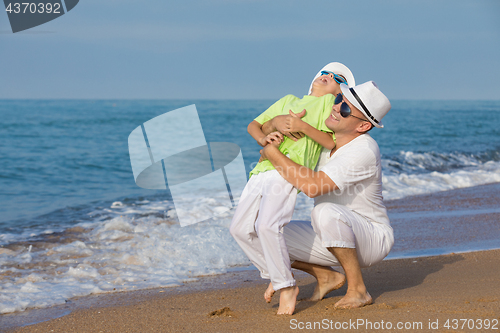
column 253, row 49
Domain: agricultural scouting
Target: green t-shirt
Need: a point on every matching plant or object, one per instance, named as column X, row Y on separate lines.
column 304, row 151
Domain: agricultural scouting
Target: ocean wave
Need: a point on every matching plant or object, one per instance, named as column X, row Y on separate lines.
column 125, row 247
column 412, row 173
column 410, row 162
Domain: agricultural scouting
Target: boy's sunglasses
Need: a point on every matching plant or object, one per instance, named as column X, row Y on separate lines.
column 339, row 79
column 345, row 110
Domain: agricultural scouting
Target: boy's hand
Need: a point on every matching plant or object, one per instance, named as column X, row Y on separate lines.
column 294, row 125
column 274, row 138
column 289, row 127
column 263, row 142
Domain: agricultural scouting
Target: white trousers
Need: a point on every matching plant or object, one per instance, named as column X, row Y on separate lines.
column 265, row 207
column 337, row 226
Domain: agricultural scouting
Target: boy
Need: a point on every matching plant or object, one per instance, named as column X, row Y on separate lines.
column 268, row 200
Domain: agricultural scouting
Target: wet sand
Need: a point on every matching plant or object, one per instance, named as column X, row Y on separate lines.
column 460, row 220
column 420, row 294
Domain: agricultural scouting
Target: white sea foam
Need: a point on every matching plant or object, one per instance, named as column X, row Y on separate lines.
column 123, row 252
column 438, row 172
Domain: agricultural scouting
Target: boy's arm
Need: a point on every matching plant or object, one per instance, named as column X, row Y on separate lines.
column 323, row 138
column 255, row 130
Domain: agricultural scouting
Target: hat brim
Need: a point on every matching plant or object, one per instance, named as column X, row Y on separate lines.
column 350, row 97
column 337, row 68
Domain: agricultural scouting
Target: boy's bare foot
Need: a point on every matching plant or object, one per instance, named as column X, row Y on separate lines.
column 288, row 298
column 327, row 281
column 354, row 299
column 268, row 295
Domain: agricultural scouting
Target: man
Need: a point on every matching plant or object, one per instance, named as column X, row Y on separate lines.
column 349, row 224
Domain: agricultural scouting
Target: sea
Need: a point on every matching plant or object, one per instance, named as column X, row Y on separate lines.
column 73, row 222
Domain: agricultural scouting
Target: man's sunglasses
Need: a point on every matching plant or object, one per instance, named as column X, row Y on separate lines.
column 339, row 79
column 345, row 110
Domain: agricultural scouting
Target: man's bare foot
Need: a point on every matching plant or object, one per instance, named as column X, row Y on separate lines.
column 288, row 298
column 354, row 299
column 327, row 282
column 268, row 295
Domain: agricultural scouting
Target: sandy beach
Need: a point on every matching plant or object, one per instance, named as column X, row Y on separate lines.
column 416, row 292
column 457, row 292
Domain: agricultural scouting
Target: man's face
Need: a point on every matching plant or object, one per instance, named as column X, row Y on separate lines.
column 337, row 123
column 325, row 84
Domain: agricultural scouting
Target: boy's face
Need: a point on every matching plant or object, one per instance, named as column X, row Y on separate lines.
column 325, row 84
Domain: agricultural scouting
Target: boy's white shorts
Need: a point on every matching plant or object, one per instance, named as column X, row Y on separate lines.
column 265, row 206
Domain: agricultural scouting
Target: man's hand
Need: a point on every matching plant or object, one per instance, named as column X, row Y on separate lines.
column 290, row 125
column 266, row 150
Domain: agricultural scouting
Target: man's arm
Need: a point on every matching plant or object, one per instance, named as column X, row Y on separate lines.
column 312, row 183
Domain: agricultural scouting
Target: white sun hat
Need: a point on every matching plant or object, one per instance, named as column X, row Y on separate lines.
column 368, row 99
column 339, row 69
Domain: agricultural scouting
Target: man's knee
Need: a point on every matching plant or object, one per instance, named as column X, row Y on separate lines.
column 325, row 216
column 316, row 214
